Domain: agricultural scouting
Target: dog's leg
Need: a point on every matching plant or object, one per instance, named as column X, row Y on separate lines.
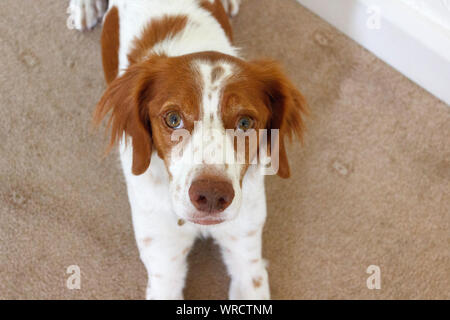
column 85, row 14
column 231, row 6
column 166, row 264
column 241, row 250
column 163, row 246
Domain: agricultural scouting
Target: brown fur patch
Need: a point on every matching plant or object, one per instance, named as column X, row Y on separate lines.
column 110, row 45
column 139, row 100
column 260, row 89
column 156, row 31
column 181, row 222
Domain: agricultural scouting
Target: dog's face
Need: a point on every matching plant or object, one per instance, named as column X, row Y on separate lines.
column 192, row 110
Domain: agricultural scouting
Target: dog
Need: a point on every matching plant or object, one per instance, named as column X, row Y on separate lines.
column 171, row 67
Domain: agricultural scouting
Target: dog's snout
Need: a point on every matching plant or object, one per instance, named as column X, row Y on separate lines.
column 211, row 196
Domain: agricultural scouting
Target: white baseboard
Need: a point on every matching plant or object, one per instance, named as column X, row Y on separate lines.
column 404, row 38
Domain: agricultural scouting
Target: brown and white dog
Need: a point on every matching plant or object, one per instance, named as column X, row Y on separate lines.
column 171, row 68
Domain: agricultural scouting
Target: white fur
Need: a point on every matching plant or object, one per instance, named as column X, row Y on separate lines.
column 158, row 208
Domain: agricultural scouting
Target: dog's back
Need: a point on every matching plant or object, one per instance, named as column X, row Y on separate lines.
column 133, row 30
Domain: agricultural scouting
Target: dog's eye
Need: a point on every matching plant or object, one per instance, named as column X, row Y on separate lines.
column 245, row 123
column 173, row 120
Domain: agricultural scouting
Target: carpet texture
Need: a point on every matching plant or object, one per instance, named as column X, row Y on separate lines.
column 371, row 185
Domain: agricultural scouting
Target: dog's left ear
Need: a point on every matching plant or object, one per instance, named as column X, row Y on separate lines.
column 127, row 99
column 287, row 105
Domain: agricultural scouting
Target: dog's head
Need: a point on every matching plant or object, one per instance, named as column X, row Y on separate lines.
column 192, row 110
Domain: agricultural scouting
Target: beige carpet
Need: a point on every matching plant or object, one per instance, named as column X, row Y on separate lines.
column 371, row 186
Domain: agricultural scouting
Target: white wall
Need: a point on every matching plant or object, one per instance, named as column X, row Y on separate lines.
column 436, row 10
column 413, row 40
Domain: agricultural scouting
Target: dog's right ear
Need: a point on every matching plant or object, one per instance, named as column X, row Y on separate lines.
column 287, row 105
column 128, row 98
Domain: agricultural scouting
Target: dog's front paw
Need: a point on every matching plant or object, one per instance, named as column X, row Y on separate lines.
column 231, row 6
column 85, row 14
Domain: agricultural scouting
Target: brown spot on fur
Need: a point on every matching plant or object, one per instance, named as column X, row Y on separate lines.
column 146, row 242
column 181, row 222
column 157, row 275
column 156, row 31
column 218, row 12
column 157, row 180
column 110, row 45
column 254, row 260
column 83, row 23
column 217, row 73
column 252, row 233
column 257, row 282
column 183, row 253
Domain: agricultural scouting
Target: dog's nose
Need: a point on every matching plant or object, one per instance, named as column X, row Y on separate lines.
column 211, row 196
